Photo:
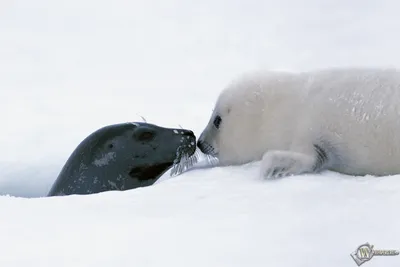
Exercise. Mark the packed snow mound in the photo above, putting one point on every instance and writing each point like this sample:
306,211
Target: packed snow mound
208,217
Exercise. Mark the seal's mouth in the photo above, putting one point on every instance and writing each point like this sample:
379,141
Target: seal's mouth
207,149
148,172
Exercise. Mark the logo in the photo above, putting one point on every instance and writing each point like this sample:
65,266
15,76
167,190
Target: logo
365,252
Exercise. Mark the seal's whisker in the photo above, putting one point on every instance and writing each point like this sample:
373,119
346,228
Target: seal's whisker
211,160
183,162
208,149
144,120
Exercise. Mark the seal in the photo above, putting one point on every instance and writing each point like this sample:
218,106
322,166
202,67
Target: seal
121,157
346,120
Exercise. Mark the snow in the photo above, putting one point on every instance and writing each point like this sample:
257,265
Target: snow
71,67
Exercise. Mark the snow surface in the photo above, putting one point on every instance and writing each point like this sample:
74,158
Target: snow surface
70,67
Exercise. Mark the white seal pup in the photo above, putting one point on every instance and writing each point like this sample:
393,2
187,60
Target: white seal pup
344,120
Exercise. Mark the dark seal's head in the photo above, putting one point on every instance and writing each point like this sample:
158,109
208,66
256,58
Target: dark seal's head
121,157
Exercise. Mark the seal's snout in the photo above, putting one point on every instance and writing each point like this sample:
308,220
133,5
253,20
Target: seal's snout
205,148
188,133
200,145
186,140
184,132
186,137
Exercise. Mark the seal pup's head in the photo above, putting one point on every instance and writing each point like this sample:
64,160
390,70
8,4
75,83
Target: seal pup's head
235,127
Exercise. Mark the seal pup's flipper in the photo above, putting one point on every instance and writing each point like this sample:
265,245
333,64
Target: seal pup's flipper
279,163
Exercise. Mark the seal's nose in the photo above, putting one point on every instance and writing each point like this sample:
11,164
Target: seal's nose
188,133
191,132
200,145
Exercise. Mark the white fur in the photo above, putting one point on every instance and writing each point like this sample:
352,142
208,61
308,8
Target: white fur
278,117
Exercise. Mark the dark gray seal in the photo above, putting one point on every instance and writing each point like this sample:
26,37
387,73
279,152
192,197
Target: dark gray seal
122,157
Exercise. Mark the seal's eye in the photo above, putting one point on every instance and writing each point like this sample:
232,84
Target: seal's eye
145,136
217,121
